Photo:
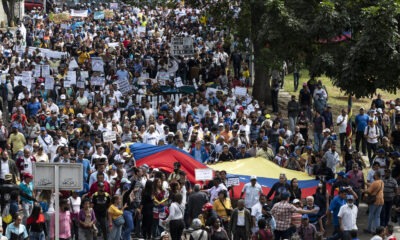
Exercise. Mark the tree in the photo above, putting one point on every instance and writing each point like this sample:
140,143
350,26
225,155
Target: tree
8,6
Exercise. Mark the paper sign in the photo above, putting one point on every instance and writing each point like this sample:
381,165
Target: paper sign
233,182
84,75
37,71
47,52
182,46
98,81
98,15
97,64
71,77
162,77
73,64
203,174
80,84
109,136
124,86
26,81
240,91
113,6
79,13
113,44
49,83
45,70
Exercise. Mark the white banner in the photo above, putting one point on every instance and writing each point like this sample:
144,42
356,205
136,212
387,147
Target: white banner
109,136
97,64
48,53
203,174
49,83
98,81
79,13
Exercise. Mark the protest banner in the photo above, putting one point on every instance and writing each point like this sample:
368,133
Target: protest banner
114,6
233,181
58,18
49,83
73,64
79,13
97,81
47,53
71,75
124,86
240,91
203,174
109,136
113,44
182,46
108,14
97,64
98,15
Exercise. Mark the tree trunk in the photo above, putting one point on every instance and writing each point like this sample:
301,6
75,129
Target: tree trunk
262,83
8,6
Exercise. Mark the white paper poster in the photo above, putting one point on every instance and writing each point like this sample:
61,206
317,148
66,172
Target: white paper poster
79,13
109,136
49,83
240,91
73,64
203,174
97,64
45,70
37,71
72,77
98,81
84,75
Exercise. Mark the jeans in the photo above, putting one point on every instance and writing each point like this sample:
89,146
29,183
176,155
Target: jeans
27,209
374,217
371,147
318,141
36,235
292,123
360,139
385,213
85,234
128,227
115,233
281,234
296,77
156,229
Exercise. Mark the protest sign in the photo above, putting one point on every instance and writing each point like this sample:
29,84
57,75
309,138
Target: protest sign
235,181
84,75
58,18
114,6
45,70
71,77
108,14
124,86
73,64
80,84
113,44
98,81
163,77
182,46
240,91
79,13
37,73
109,136
98,15
97,64
47,52
141,30
203,174
49,83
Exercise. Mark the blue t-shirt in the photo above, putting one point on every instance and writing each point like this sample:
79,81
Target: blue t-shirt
33,108
336,203
361,121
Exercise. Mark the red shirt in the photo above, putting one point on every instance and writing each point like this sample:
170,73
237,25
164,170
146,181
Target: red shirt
94,188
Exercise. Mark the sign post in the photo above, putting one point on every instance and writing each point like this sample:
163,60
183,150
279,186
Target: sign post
58,176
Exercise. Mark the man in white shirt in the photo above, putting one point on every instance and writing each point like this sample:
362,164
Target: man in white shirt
151,137
332,158
214,191
371,133
253,192
341,122
348,217
256,212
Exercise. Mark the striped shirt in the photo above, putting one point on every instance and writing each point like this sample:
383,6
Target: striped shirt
389,189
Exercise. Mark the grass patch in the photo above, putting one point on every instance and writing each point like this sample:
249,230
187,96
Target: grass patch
336,98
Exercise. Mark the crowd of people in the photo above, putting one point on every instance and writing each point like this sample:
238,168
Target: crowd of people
49,115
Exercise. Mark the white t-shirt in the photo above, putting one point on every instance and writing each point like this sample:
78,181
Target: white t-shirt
343,125
349,217
372,133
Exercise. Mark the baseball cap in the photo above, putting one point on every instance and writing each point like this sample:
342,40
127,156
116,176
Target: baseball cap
267,116
253,178
265,138
326,130
42,129
380,150
242,146
350,197
296,201
28,175
304,216
281,148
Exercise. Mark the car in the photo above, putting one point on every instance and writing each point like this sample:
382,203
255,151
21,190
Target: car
31,4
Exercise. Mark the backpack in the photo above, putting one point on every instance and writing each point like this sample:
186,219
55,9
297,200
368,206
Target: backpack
378,131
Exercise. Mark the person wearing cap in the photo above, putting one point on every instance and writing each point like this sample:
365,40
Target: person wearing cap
347,217
10,168
16,140
382,160
306,230
25,162
293,108
26,187
198,233
86,165
252,191
320,97
282,211
45,140
318,127
327,115
390,191
361,122
281,157
372,135
101,200
279,188
341,123
199,153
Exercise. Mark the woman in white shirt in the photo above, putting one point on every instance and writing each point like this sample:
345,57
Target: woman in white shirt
175,218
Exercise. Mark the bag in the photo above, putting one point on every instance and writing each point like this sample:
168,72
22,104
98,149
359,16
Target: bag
228,211
6,216
119,221
370,199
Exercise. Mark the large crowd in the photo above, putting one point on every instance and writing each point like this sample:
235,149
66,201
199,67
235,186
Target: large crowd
66,84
